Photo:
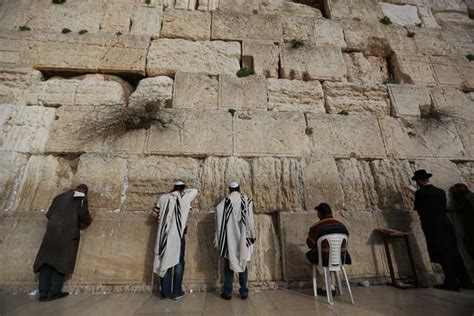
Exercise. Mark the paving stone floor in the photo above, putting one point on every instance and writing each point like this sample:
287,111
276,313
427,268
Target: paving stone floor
377,300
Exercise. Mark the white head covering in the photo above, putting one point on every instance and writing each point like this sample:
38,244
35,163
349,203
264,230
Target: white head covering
234,184
179,182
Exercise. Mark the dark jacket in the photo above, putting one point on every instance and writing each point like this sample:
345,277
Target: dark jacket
430,203
66,216
464,208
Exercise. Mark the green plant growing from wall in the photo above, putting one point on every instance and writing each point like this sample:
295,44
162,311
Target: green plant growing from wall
66,31
296,43
59,1
470,57
83,32
390,81
147,1
411,34
119,33
24,28
385,20
419,24
243,72
343,112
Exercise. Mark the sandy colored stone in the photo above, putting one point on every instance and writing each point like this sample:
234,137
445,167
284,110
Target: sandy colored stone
106,178
116,17
455,71
426,17
466,130
313,30
146,20
239,26
199,132
454,20
466,169
25,129
322,183
152,89
167,56
369,69
248,93
43,179
365,10
12,167
276,185
149,177
279,134
295,95
309,62
452,103
328,32
399,41
343,136
401,14
190,25
208,5
290,9
239,5
261,57
413,69
412,137
366,37
197,91
356,98
14,80
409,100
430,41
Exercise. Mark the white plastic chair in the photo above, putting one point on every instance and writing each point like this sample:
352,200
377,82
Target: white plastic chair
334,265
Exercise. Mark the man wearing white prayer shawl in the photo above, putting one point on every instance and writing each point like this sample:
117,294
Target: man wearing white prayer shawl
172,212
235,236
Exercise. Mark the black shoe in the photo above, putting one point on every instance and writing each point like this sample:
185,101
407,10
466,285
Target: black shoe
178,296
58,296
43,298
453,288
467,285
320,291
224,296
244,296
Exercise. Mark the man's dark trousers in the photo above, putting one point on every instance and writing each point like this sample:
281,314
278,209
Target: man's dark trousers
50,281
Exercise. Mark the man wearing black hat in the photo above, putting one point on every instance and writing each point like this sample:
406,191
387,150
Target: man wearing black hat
430,203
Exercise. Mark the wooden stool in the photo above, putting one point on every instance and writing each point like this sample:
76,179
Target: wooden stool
388,235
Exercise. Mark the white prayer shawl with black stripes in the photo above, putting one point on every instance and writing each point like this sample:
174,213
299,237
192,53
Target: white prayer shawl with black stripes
235,228
174,210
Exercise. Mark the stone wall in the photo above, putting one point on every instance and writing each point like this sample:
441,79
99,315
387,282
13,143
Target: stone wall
338,108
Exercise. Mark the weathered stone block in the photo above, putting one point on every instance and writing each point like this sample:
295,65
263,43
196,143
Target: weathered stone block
295,95
430,41
401,14
249,93
276,185
197,91
466,130
412,137
167,56
356,98
399,41
427,18
452,103
466,169
146,20
343,136
409,100
25,129
116,17
322,183
238,5
454,20
414,69
369,69
196,132
208,5
149,177
455,71
261,57
328,32
239,26
309,62
12,167
216,176
152,90
313,30
190,25
368,38
280,134
285,8
14,80
365,10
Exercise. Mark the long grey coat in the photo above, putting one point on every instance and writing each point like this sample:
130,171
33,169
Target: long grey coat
67,215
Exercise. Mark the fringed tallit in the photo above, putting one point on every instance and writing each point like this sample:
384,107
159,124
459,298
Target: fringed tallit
235,229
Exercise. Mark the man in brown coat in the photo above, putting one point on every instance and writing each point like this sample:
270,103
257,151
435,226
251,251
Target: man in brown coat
67,215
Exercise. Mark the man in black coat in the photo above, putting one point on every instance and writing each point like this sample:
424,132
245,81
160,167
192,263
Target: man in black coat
430,203
67,215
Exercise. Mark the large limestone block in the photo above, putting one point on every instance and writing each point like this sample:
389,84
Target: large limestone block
197,133
238,5
267,133
295,95
313,30
152,90
454,20
74,130
265,264
357,185
116,17
401,14
426,137
122,240
9,17
466,169
328,32
452,103
309,62
409,100
276,185
194,90
466,130
12,168
14,80
25,128
455,71
190,25
290,9
217,173
458,40
44,178
399,41
365,10
371,69
146,20
20,236
427,18
208,5
151,176
261,57
431,42
343,136
322,183
391,178
368,38
356,98
248,93
106,177
167,56
239,26
413,69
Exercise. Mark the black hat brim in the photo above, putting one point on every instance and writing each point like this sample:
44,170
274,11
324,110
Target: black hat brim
423,177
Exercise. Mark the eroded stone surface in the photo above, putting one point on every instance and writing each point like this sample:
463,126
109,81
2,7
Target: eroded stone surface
452,103
195,91
409,100
414,69
247,93
191,25
295,95
261,57
12,168
366,10
454,71
371,69
401,14
152,90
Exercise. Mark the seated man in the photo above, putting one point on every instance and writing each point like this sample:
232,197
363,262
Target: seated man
327,225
